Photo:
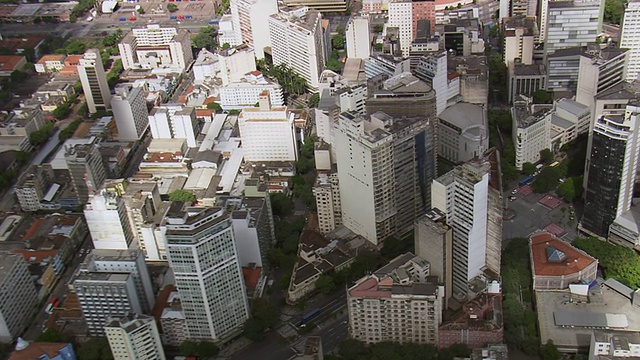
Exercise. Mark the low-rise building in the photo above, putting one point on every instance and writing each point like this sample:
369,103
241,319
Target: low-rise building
613,345
11,63
134,336
42,350
50,63
526,80
463,132
531,132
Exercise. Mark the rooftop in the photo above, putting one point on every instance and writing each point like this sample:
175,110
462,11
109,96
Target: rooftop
129,322
464,115
554,257
36,350
9,62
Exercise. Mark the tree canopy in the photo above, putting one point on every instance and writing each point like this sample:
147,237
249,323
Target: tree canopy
215,106
546,156
618,262
357,350
171,7
203,349
547,180
325,284
96,348
313,100
281,205
264,315
182,195
542,96
614,11
205,38
571,188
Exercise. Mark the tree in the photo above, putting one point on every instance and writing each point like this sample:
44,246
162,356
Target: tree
313,100
52,335
234,112
22,157
546,156
113,39
140,10
265,312
205,38
325,284
18,76
281,205
182,195
378,46
215,106
68,131
333,64
618,262
613,11
379,28
567,190
171,7
528,168
542,97
393,247
188,348
75,46
549,351
207,349
547,180
253,329
96,348
62,111
337,41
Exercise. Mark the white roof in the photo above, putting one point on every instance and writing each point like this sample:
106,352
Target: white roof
108,6
213,131
199,179
230,170
58,162
52,192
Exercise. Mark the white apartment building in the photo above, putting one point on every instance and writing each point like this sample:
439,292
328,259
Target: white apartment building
18,296
524,8
401,17
519,35
202,253
327,192
572,23
297,40
531,132
463,132
134,336
123,261
108,222
227,34
353,98
630,38
463,195
103,295
245,93
268,133
130,112
174,121
358,35
609,344
575,113
250,20
396,303
366,176
154,47
229,66
432,69
600,70
94,81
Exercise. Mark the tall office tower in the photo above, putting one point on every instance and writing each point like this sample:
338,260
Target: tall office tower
610,169
433,240
86,169
572,23
563,69
385,166
108,222
405,14
358,36
134,336
600,70
105,294
268,133
174,121
469,195
519,34
94,81
18,296
130,112
630,36
327,192
432,69
123,261
399,302
250,19
297,40
531,132
155,47
202,253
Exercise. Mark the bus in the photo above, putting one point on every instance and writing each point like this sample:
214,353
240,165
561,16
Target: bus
554,164
526,180
310,315
51,305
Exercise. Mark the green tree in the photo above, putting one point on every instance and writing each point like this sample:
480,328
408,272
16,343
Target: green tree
253,329
325,284
22,157
113,39
68,131
378,46
41,135
205,38
188,348
52,335
313,100
549,351
333,64
234,112
528,168
542,97
618,262
567,190
171,7
546,156
18,76
140,10
207,349
182,195
75,46
378,28
62,111
337,41
215,106
265,312
547,180
498,78
96,348
393,247
281,205
613,11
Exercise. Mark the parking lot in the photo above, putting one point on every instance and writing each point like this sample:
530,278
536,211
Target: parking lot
156,10
525,215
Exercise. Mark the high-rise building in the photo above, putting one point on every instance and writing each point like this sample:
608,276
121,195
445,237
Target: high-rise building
572,23
470,195
531,132
18,296
108,222
154,47
399,302
432,69
327,192
123,261
202,253
519,34
404,15
630,36
134,336
433,240
268,133
33,185
250,19
358,35
600,70
86,169
403,95
610,170
105,294
524,8
174,121
297,41
130,112
94,81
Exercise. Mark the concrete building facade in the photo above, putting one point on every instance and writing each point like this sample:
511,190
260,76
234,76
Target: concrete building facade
19,296
94,81
130,112
134,336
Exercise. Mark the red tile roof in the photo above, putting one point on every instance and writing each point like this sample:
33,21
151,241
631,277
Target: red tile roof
574,260
369,288
51,57
37,255
21,43
33,229
204,112
72,60
251,276
9,62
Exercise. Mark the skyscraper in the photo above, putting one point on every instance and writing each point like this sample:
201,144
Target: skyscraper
108,222
94,81
600,70
358,37
18,296
130,112
297,41
630,36
202,253
250,18
134,336
572,23
404,15
610,169
86,169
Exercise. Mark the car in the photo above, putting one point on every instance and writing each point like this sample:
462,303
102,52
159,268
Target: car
512,198
515,191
